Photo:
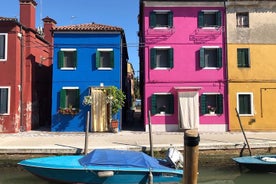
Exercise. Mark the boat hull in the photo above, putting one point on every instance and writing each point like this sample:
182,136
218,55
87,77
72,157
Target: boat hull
262,163
67,169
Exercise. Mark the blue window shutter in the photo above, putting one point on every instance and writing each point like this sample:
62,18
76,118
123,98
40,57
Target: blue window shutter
218,18
171,104
153,104
219,104
152,58
62,98
171,58
203,105
60,59
219,57
112,59
152,19
170,19
200,19
98,54
202,58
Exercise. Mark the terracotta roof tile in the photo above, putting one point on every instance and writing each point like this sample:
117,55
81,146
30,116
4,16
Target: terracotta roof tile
88,27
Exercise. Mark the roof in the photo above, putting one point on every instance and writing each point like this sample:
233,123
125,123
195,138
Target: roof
4,19
88,27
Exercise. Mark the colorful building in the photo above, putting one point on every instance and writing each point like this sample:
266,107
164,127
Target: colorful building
87,58
25,71
183,65
251,44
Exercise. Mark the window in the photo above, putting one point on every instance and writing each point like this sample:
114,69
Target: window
162,103
161,57
70,98
4,100
209,18
3,46
161,18
105,59
242,19
211,103
245,103
67,59
243,57
211,57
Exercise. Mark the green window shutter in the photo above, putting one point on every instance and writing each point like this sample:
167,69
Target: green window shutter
152,58
171,64
219,57
203,105
77,99
202,58
153,105
240,57
200,19
60,59
152,19
219,104
218,18
62,98
98,54
112,59
75,58
171,104
170,19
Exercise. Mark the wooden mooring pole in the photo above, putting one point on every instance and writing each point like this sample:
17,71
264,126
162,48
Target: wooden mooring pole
86,134
191,153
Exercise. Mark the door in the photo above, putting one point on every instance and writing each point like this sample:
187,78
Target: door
188,110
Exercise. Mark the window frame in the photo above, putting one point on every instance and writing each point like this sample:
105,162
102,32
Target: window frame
62,100
251,103
5,47
153,59
112,58
156,110
61,58
152,19
8,99
201,22
218,56
218,103
239,16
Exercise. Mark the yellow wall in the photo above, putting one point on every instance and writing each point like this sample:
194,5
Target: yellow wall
259,79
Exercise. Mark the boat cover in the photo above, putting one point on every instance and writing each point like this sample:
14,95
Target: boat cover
122,158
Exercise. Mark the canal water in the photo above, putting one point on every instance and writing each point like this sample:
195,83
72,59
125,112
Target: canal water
230,174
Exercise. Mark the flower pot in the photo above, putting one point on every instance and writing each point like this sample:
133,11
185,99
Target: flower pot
114,126
212,112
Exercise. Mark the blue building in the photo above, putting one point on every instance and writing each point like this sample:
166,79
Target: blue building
87,59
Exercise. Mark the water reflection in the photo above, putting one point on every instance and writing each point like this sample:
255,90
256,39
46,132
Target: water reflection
207,175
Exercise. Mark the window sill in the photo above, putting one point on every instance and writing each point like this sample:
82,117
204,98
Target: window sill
105,68
211,68
162,68
68,68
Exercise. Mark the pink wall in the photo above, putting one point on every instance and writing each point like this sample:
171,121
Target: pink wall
186,39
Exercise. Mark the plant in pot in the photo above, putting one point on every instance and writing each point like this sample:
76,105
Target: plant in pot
116,100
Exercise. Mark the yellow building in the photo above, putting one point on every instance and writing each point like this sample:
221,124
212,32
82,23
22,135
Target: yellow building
251,43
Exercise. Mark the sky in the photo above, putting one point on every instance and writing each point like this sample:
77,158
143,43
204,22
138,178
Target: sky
121,13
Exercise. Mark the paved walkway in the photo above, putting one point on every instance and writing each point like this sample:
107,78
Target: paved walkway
45,142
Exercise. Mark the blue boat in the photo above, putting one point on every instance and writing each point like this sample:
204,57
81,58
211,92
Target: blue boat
104,166
264,163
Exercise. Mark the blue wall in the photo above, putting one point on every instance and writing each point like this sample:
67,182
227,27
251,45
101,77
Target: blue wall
85,76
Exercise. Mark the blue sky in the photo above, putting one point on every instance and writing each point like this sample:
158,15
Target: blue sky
122,13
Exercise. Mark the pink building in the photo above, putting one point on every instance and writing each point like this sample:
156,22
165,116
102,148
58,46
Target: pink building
183,65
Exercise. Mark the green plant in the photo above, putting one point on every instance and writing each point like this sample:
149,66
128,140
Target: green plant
116,98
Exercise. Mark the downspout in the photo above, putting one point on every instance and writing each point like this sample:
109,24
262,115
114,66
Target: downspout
21,80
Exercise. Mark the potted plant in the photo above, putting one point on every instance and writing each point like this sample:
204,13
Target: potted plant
68,111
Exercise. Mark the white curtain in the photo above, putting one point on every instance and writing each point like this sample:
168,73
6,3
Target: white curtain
188,114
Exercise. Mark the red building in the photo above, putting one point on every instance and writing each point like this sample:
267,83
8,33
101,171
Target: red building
25,71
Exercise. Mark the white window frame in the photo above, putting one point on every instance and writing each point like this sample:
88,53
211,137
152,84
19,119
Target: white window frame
6,47
105,50
211,47
9,95
164,48
210,12
251,105
68,50
162,12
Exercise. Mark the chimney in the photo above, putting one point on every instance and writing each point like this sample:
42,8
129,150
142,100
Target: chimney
49,25
28,13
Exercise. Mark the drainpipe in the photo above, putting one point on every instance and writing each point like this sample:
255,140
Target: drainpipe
21,80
